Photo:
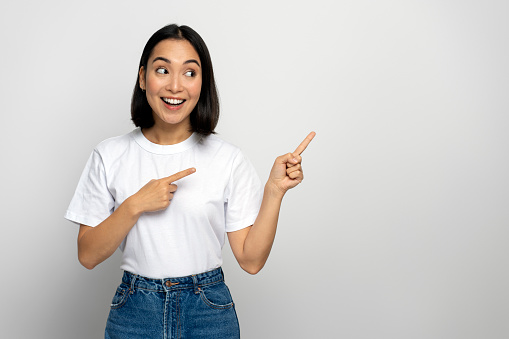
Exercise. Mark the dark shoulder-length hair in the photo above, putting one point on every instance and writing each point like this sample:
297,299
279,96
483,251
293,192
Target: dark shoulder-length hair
205,115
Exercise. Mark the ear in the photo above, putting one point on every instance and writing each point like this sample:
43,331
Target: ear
141,75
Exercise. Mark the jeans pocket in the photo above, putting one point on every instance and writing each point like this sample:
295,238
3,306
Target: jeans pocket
216,296
120,297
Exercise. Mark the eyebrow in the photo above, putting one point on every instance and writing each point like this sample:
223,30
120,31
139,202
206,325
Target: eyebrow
169,62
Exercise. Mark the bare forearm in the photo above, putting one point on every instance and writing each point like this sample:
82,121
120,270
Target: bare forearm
253,249
99,243
261,236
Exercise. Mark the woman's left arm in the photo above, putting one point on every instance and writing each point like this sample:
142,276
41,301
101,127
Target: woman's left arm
251,245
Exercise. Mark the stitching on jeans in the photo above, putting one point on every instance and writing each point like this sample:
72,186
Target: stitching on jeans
123,300
212,305
148,289
177,288
210,283
165,321
178,315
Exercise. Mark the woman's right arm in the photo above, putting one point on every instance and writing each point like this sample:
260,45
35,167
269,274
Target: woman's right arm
96,244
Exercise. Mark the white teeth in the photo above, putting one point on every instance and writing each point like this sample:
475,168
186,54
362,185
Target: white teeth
173,101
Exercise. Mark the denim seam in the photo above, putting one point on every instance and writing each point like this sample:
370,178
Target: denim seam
165,319
215,306
176,288
150,290
178,315
211,283
122,301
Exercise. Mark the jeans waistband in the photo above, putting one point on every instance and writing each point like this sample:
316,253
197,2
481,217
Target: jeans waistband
135,281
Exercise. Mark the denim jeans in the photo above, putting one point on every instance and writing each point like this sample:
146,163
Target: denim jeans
196,306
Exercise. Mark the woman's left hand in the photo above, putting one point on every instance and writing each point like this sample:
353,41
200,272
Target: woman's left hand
287,172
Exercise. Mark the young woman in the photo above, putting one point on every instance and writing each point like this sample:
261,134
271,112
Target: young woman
168,192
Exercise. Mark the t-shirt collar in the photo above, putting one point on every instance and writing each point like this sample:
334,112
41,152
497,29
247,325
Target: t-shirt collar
164,149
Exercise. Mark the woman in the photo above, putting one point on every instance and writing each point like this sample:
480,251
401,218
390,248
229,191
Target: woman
171,238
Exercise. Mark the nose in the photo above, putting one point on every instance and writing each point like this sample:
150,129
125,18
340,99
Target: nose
174,84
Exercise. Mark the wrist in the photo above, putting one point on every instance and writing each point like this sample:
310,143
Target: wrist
274,191
132,208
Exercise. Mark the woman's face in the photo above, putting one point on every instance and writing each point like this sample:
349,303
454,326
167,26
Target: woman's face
172,82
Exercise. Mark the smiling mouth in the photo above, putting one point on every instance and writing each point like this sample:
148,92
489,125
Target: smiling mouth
173,102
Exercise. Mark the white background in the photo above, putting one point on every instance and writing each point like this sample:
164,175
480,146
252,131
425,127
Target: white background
400,228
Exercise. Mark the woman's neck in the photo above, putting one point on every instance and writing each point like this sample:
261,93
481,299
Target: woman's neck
167,134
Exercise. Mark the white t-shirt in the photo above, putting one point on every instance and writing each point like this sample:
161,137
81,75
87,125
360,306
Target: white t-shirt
223,195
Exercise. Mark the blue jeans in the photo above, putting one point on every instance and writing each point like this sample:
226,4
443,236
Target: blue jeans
196,306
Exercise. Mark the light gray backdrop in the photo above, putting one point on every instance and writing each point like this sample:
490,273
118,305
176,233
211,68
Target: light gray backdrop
400,228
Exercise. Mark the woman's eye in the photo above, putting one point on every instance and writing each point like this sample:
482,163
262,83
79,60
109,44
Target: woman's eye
161,71
189,73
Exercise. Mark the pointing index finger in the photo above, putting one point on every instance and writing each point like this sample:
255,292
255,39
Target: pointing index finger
180,175
305,143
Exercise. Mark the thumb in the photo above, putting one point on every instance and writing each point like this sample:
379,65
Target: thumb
288,158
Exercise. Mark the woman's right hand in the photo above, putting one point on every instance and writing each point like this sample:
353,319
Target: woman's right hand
157,193
96,244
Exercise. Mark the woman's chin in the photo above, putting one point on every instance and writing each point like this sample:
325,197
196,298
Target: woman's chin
173,120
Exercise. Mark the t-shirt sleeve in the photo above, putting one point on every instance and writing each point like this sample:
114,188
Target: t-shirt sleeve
92,202
243,195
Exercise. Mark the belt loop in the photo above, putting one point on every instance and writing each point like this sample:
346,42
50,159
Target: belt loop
195,283
133,280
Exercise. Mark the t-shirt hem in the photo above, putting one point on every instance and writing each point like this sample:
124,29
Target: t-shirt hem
80,219
241,224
